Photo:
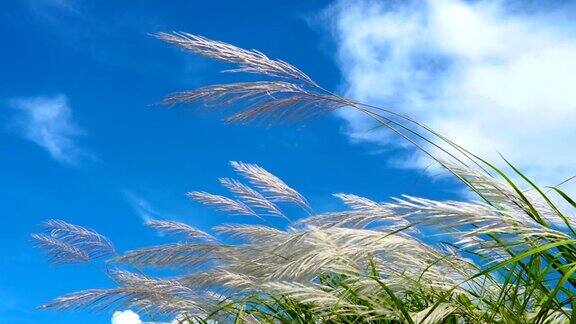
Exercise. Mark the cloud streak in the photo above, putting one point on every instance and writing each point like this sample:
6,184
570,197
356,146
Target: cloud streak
492,78
47,122
141,206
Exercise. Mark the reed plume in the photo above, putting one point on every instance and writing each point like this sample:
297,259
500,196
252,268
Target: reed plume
507,257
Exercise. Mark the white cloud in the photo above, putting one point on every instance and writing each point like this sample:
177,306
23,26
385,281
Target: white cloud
125,317
494,78
48,122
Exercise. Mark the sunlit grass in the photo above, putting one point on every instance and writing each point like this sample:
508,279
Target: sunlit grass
507,257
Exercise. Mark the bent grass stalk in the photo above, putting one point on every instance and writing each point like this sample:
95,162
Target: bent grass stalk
509,258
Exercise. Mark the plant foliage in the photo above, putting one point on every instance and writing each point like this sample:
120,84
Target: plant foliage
507,257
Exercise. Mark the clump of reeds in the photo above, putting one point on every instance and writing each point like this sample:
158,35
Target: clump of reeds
508,257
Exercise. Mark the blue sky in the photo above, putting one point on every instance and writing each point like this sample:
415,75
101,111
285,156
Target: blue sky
82,142
116,156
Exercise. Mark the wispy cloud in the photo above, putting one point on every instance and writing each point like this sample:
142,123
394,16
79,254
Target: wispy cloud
64,4
13,309
141,206
125,317
495,78
40,6
48,122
